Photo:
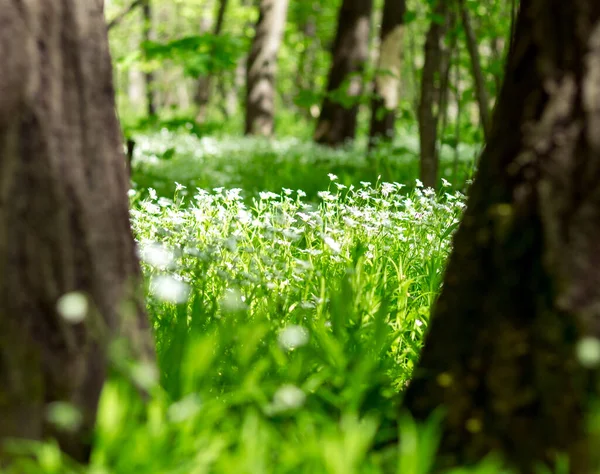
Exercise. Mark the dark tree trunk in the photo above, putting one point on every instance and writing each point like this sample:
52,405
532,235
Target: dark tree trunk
522,286
387,81
337,122
481,93
149,76
430,94
204,83
262,67
64,221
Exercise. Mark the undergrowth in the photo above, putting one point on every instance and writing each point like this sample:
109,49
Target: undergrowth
286,330
256,165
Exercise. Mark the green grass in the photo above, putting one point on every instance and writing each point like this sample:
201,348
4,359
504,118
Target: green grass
287,322
285,331
255,165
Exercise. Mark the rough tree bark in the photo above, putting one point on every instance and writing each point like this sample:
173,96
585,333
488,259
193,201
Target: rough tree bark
522,286
262,67
387,80
64,222
337,122
428,110
483,100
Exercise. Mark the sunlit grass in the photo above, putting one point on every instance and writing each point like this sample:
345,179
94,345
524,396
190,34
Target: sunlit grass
256,165
285,330
284,258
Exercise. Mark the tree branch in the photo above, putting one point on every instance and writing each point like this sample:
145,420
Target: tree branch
116,20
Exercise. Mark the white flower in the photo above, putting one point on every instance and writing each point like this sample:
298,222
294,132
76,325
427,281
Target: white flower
332,177
289,397
292,337
588,352
326,196
267,195
233,301
332,244
156,255
387,189
349,222
419,183
168,289
73,307
152,193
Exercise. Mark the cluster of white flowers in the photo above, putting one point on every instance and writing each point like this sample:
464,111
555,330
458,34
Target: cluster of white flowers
281,248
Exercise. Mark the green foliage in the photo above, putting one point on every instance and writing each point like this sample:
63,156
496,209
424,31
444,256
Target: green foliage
197,55
289,306
256,165
284,331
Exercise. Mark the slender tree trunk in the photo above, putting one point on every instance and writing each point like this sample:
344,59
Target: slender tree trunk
64,221
504,353
447,52
305,74
149,76
483,100
386,87
430,94
457,125
204,83
497,48
231,96
414,79
262,67
337,122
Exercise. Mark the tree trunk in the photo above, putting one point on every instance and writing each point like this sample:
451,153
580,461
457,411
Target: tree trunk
497,56
521,289
305,74
430,93
149,76
64,221
204,83
483,100
386,87
447,53
337,121
262,67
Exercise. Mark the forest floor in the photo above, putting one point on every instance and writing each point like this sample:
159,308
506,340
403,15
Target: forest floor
289,295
